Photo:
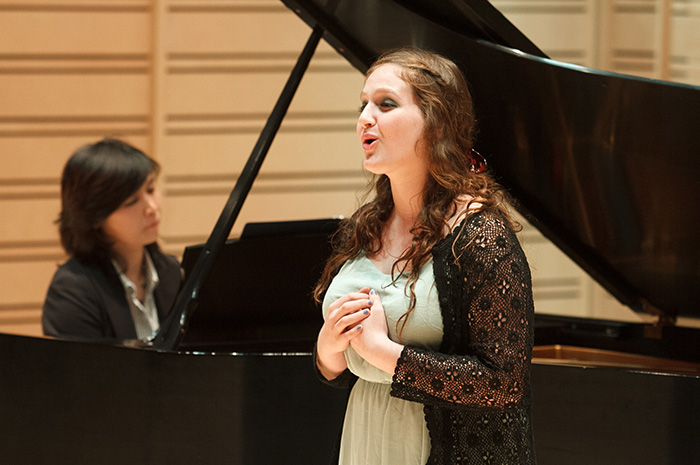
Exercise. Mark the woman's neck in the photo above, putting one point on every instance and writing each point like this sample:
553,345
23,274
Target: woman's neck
131,261
408,199
397,230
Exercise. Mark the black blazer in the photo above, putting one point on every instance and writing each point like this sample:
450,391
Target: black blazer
86,301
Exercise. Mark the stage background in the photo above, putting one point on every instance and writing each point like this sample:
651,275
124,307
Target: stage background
192,82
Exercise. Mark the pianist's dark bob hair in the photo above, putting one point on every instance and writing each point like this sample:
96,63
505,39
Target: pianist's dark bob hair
442,94
96,180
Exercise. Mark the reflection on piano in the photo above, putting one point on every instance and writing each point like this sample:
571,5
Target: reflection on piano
580,151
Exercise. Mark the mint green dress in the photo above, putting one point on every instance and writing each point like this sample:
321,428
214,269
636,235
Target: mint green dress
379,429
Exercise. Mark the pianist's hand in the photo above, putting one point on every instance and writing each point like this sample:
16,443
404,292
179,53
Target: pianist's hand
341,326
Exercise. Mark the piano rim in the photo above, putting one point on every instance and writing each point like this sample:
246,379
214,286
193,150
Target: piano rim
584,357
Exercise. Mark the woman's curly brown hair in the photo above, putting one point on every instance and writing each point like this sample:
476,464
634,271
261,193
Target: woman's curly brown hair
443,96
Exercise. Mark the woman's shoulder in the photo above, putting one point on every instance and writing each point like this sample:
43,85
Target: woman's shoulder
78,267
480,229
475,212
483,222
464,207
75,271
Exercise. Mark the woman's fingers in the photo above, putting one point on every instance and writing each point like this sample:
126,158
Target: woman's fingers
349,303
376,300
352,321
343,321
375,327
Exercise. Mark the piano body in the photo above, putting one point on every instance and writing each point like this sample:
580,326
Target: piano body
603,164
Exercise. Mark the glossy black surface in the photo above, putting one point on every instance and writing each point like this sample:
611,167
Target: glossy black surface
612,416
604,165
67,403
259,294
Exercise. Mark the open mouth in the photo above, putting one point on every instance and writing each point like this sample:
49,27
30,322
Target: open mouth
367,141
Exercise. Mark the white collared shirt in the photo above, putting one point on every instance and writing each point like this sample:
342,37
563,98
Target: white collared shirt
144,314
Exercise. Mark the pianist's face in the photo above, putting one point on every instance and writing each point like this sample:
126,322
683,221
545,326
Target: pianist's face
135,223
390,126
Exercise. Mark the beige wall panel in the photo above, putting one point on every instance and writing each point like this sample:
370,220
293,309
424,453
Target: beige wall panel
27,323
17,191
193,209
330,151
250,31
77,95
226,154
555,32
27,219
223,93
293,163
254,94
25,283
52,31
685,48
687,75
558,283
564,30
191,216
141,142
632,30
686,36
603,305
296,206
324,90
553,300
200,154
43,158
290,201
35,157
196,216
547,261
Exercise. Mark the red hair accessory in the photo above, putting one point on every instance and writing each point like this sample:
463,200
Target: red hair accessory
477,163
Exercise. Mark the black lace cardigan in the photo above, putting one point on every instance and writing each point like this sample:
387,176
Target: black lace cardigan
476,388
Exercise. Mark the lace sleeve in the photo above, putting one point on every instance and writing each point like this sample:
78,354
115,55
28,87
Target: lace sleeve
486,300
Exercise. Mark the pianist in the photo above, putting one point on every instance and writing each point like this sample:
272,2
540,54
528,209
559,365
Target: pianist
427,297
117,285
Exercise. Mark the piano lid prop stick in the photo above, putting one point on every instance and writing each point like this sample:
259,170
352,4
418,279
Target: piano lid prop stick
187,300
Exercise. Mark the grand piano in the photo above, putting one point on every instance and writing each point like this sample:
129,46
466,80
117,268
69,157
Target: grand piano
603,164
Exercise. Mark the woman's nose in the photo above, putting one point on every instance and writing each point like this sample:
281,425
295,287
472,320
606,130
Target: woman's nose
152,204
366,119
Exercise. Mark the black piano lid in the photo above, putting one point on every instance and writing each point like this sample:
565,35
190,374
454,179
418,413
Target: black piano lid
605,165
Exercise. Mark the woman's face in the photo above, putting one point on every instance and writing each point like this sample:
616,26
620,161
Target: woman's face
391,124
135,223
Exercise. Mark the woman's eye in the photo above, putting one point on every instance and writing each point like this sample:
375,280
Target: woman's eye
130,202
388,103
385,104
